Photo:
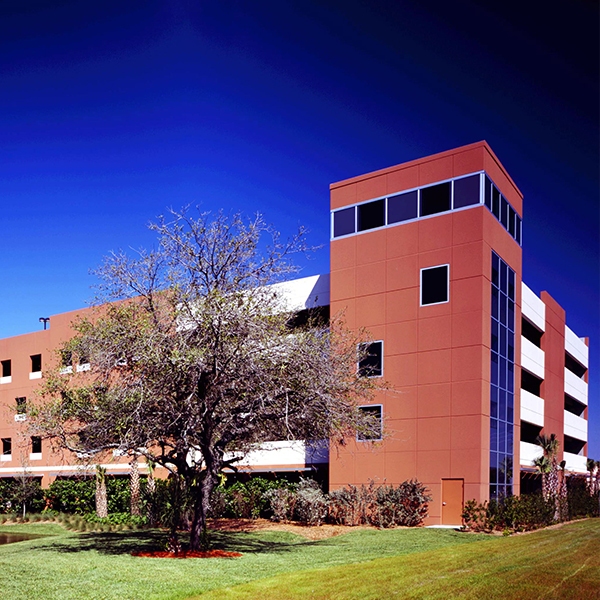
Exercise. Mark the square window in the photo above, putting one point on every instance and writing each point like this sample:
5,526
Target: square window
21,405
435,199
6,446
402,207
343,222
434,285
36,363
466,191
370,360
36,444
374,427
371,215
6,368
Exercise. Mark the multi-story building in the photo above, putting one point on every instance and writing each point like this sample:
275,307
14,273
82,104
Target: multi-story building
426,260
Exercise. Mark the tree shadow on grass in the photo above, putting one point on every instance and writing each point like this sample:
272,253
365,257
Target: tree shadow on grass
149,540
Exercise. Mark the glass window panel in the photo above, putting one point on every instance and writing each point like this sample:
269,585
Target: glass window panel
495,301
495,269
434,285
494,369
493,475
502,405
496,202
493,434
503,341
502,371
495,336
510,354
511,284
375,429
503,277
493,492
518,225
510,379
435,199
510,318
371,215
466,191
402,207
500,480
494,402
504,212
502,301
371,361
487,192
511,220
343,222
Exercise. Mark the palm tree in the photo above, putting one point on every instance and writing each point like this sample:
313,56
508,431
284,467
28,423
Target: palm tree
134,486
549,445
101,498
591,467
563,496
542,464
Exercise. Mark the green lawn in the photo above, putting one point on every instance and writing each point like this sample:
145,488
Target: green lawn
415,563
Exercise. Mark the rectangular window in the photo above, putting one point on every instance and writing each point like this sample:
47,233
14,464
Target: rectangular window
402,207
344,222
487,192
504,212
374,427
66,358
6,446
36,444
36,363
21,405
371,215
435,199
466,191
6,368
495,202
435,285
370,359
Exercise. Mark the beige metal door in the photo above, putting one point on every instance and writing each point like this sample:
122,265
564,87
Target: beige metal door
452,501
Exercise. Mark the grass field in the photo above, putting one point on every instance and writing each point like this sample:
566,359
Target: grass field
405,563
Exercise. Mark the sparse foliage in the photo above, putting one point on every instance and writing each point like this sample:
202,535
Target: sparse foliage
193,361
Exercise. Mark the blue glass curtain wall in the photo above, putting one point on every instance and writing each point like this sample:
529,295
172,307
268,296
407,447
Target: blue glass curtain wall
502,377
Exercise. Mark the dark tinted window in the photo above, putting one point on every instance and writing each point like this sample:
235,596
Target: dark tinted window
6,446
434,285
36,444
36,363
518,225
21,405
435,199
6,368
487,192
343,222
504,212
495,202
466,191
511,220
402,207
371,215
373,429
370,363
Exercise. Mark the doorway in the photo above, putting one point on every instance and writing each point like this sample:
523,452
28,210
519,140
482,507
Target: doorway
452,501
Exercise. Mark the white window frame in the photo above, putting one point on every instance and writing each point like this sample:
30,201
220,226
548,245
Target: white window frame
447,284
358,362
380,438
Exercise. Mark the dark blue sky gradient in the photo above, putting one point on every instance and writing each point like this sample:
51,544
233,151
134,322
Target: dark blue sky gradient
111,112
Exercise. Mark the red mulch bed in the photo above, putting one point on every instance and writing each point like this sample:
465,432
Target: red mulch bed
188,554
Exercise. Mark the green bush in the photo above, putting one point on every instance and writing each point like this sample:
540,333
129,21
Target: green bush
514,513
381,506
580,502
311,503
16,491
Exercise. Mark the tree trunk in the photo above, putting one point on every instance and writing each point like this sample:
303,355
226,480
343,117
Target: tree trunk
134,484
101,499
199,535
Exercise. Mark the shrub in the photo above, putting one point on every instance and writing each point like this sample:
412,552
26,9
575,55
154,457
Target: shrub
382,506
282,502
514,513
311,503
580,502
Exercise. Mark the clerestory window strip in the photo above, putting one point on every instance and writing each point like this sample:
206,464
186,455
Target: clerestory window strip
451,195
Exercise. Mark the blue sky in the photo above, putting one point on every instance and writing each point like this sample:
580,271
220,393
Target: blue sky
111,112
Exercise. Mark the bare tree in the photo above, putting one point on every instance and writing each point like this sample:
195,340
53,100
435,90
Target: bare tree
193,358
